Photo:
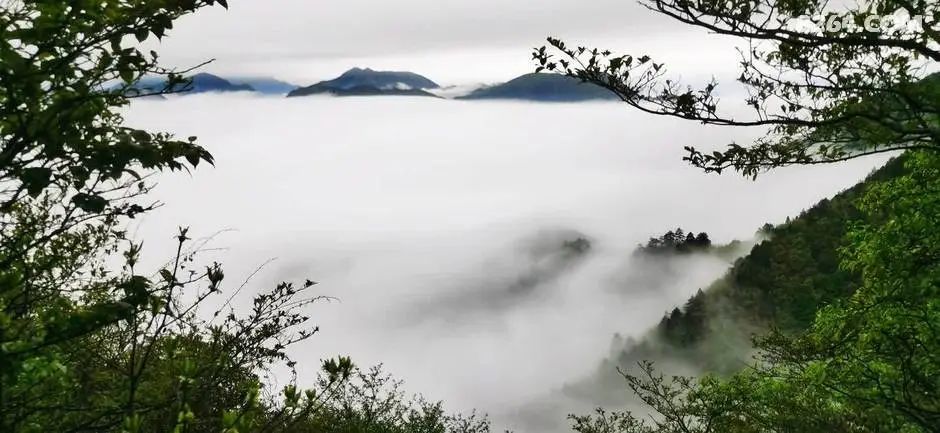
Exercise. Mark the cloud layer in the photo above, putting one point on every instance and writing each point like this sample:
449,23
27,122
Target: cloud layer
437,223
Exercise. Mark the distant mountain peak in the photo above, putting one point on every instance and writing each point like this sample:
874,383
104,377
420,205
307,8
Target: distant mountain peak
543,87
265,85
206,82
199,83
366,81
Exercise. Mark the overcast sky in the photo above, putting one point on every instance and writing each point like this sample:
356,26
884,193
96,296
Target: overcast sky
450,41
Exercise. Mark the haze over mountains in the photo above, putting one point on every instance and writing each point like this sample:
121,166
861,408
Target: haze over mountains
446,239
536,87
543,87
265,85
200,83
364,82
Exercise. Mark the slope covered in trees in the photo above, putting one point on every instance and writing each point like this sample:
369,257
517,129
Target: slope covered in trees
866,361
781,283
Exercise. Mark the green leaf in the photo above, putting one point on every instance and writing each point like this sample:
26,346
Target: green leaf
141,34
36,179
127,75
136,290
90,202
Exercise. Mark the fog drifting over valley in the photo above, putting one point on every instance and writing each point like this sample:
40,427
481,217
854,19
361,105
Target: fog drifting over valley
438,225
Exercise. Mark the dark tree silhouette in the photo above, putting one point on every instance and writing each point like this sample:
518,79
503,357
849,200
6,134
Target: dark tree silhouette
826,93
677,241
702,240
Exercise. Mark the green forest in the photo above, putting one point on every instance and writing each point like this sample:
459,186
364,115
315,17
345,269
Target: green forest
803,301
780,284
831,323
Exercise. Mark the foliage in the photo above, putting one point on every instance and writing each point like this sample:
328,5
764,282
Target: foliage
371,401
677,241
70,173
825,93
88,341
849,285
782,283
868,363
687,326
60,127
125,352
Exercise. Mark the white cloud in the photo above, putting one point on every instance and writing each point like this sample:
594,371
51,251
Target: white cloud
454,42
400,205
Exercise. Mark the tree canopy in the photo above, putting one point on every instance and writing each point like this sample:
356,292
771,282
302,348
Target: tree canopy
866,361
825,93
90,341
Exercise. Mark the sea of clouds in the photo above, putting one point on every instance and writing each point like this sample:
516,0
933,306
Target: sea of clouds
437,224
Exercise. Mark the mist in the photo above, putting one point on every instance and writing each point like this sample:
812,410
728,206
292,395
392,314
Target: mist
440,226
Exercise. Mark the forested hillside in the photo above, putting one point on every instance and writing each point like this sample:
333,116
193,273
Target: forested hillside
781,284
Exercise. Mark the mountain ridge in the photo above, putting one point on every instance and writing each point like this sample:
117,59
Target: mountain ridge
369,82
542,87
202,82
265,85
